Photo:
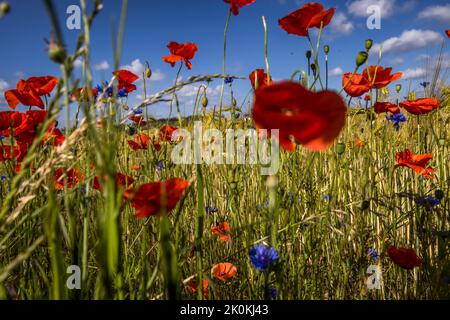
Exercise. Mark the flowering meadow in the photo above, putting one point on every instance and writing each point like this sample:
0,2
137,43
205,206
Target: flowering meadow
358,207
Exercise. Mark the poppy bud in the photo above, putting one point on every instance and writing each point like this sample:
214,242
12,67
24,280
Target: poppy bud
439,194
361,58
365,205
340,149
5,7
56,52
205,101
308,54
148,72
234,102
398,88
326,49
412,95
369,44
313,68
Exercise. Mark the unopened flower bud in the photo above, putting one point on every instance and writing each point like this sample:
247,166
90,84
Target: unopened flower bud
326,49
205,101
369,44
398,88
5,7
56,52
340,149
361,58
308,54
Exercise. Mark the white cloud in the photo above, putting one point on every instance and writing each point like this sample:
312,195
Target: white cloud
409,74
157,75
359,7
397,61
336,72
341,25
102,66
409,40
78,63
440,13
3,85
136,67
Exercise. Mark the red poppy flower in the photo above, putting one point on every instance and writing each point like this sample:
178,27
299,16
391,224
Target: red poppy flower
6,153
235,5
312,119
8,120
224,271
83,94
122,181
380,77
420,106
311,15
54,136
359,143
382,107
141,142
139,121
223,230
181,52
259,79
126,79
355,86
29,92
447,32
416,162
405,258
73,176
28,128
155,198
166,133
193,287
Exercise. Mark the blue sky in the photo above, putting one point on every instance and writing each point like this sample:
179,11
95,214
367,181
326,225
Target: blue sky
411,29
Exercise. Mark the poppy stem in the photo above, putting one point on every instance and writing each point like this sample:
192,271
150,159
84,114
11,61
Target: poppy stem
225,33
199,228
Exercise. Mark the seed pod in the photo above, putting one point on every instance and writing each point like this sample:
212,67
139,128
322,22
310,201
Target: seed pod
340,149
57,53
5,7
398,88
369,44
361,58
326,49
205,101
234,102
308,54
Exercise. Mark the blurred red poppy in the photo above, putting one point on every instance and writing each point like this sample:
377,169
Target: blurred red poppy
382,107
405,258
126,79
29,92
235,5
359,143
141,142
312,119
380,77
83,94
259,79
155,198
6,153
224,271
8,120
311,15
181,52
416,162
447,32
139,121
73,176
193,287
420,106
122,181
54,136
166,133
27,129
223,230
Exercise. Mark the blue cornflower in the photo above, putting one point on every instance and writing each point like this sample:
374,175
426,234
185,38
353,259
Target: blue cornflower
211,210
263,257
160,166
2,137
3,178
427,201
229,80
396,119
139,111
122,93
273,293
373,253
328,197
